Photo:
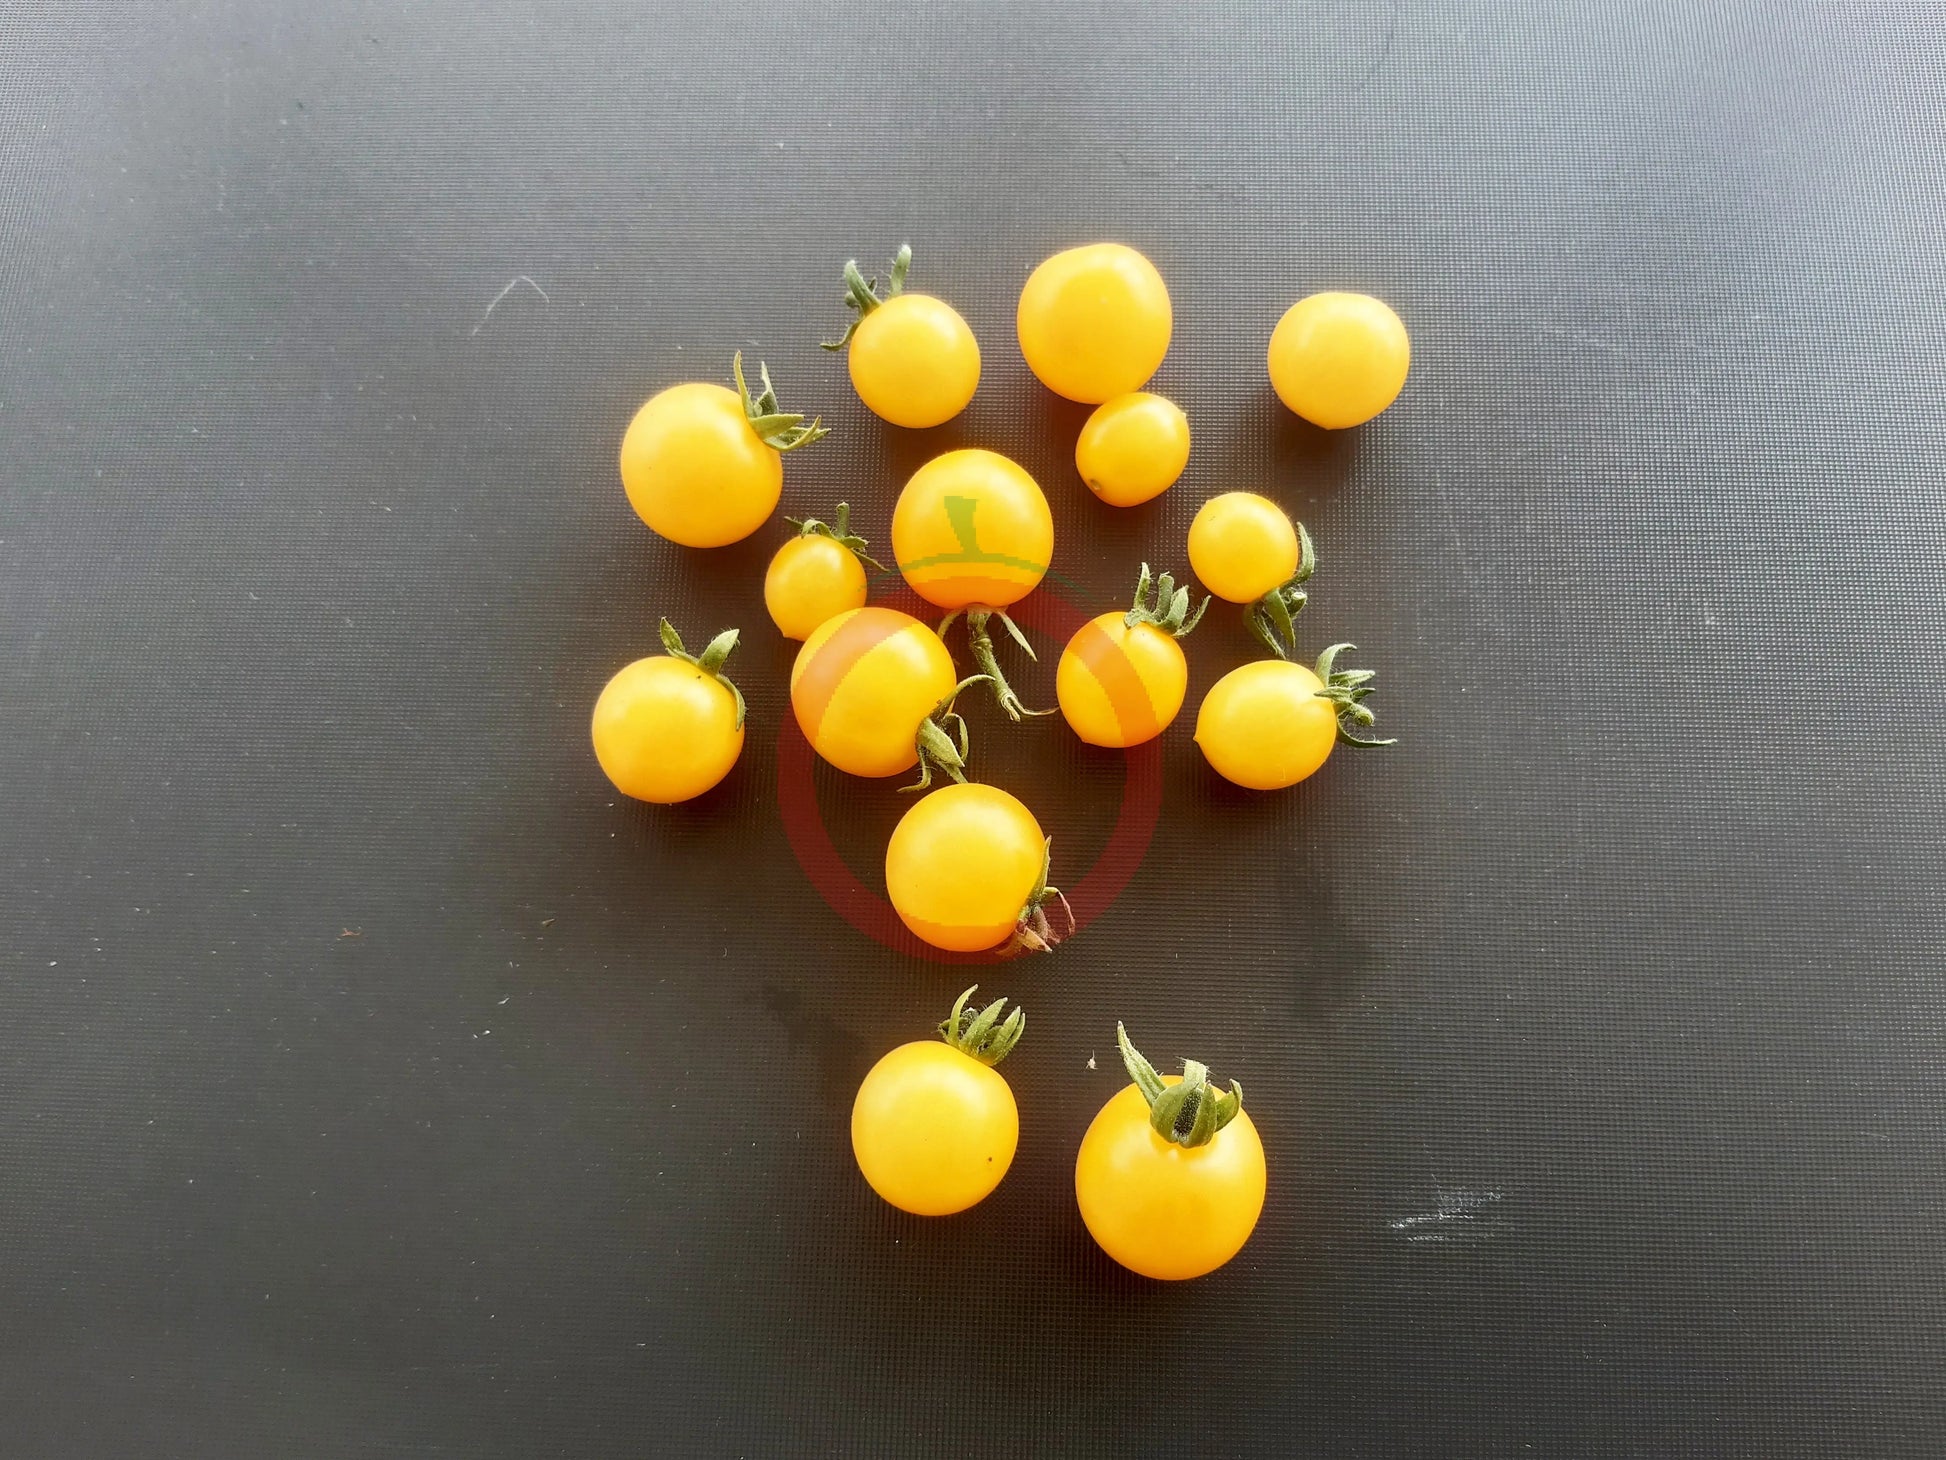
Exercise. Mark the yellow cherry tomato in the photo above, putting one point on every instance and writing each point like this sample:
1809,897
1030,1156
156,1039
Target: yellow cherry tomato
1271,723
670,727
1241,546
1158,1209
862,685
695,468
966,867
913,360
971,527
1133,448
1119,683
935,1126
1339,359
818,573
1094,322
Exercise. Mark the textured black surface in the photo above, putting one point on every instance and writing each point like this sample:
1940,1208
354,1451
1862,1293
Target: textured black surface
371,1083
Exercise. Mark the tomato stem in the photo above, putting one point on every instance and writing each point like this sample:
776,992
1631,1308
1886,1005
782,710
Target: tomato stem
979,640
1271,616
942,741
861,294
1188,1113
1167,609
710,661
1346,690
1034,933
778,429
983,1035
839,531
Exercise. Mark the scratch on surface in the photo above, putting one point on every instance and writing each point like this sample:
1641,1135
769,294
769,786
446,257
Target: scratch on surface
1459,1215
515,282
1385,47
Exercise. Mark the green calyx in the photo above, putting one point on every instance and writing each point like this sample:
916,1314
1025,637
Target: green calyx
983,1035
980,641
941,740
1189,1112
710,661
778,429
1035,933
1346,689
1166,609
1271,616
861,294
839,531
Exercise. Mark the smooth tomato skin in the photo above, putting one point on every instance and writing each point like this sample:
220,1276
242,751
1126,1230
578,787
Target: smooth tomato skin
861,684
810,579
1133,448
1094,322
914,361
1119,686
961,865
694,470
1241,546
972,527
933,1129
1339,359
1161,1210
664,731
1263,726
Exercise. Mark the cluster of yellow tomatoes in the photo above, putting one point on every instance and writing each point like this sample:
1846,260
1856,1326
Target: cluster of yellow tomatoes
1170,1176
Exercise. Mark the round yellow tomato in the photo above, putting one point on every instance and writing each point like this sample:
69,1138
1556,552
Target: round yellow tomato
695,466
862,685
1122,676
1162,1209
1133,448
670,727
818,573
1094,322
935,1126
1339,359
1267,724
965,867
913,360
1241,546
971,527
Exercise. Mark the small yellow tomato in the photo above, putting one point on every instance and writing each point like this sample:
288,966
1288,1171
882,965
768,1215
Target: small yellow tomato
913,360
670,727
1094,322
1241,546
817,574
1339,359
1122,677
1158,1206
966,867
864,683
1265,725
1133,448
695,468
971,527
935,1126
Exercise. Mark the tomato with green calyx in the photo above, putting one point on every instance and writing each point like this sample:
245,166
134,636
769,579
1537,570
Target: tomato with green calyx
873,691
1271,723
703,466
669,727
1133,448
1244,549
966,870
1094,322
913,360
1122,677
1170,1179
817,574
1339,359
971,532
935,1126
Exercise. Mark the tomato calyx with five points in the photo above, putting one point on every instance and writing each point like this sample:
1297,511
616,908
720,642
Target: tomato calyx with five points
1271,617
779,429
710,661
1188,1113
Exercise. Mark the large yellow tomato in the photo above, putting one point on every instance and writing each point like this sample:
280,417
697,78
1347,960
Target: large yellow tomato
670,727
1269,724
1094,322
1242,546
864,683
1339,359
966,867
971,527
1122,676
1156,1205
935,1126
1132,448
703,466
913,360
817,574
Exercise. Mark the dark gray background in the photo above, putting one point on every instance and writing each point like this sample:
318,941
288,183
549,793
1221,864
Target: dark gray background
312,560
